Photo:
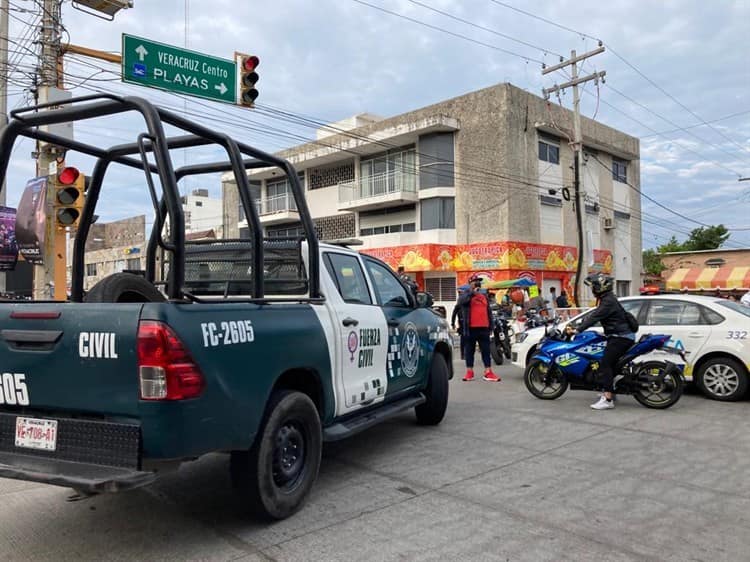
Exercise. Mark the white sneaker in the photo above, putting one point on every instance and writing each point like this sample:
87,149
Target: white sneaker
603,404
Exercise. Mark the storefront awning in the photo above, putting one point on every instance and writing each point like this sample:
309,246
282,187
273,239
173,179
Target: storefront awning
709,278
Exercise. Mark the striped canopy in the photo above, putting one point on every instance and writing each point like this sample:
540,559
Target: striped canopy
709,278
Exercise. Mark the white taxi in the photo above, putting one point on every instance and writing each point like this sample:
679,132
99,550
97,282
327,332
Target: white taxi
714,332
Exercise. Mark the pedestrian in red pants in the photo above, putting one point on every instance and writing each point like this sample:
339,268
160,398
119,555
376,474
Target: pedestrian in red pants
476,314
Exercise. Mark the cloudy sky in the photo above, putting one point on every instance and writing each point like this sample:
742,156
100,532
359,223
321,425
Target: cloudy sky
678,77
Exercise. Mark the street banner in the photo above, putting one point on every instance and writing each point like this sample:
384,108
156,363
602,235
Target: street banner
31,221
8,245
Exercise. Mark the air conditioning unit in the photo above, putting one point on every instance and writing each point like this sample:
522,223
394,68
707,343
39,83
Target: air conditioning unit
608,223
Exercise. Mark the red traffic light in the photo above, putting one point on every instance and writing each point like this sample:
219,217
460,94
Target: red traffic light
250,63
68,176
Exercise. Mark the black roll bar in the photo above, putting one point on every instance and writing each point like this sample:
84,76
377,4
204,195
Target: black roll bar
25,122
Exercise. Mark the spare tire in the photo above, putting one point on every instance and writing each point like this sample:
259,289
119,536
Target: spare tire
124,287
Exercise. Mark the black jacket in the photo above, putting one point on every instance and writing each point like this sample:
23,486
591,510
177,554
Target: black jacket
464,301
610,315
457,315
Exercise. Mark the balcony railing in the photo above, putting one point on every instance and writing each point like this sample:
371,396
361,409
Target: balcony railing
389,183
277,204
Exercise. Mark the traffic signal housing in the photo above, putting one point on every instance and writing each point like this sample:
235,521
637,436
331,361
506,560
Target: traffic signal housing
248,77
70,186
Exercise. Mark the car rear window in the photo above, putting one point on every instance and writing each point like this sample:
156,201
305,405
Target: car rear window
737,307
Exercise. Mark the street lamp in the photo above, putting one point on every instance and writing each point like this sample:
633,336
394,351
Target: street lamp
106,7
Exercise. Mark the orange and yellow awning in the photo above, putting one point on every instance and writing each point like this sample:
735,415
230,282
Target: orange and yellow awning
709,278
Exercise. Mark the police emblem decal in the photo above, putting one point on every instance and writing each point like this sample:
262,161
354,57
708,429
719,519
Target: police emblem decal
352,344
410,350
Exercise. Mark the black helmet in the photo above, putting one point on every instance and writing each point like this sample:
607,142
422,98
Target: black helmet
599,283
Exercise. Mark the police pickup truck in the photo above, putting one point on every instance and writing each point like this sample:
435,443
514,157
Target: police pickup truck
260,348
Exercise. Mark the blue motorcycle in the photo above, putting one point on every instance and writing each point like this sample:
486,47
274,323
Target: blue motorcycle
562,362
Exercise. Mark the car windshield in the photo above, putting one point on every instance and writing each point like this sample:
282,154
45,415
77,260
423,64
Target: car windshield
737,307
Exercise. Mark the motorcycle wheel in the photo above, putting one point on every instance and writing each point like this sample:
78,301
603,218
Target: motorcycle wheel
506,349
653,393
544,383
496,352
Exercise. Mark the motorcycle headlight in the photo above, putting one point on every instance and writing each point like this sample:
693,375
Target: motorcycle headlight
520,338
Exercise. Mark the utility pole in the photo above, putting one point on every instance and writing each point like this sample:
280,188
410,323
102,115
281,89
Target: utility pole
53,271
577,144
3,94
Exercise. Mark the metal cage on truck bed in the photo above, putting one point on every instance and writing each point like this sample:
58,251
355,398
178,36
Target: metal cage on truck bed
248,267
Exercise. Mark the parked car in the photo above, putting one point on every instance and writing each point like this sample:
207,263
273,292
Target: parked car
714,332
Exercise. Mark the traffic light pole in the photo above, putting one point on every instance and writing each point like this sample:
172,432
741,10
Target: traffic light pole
577,147
3,92
50,278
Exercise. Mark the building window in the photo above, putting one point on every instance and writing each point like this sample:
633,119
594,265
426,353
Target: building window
389,229
549,152
199,203
90,269
439,212
436,156
619,170
245,233
441,288
134,263
623,288
285,232
388,173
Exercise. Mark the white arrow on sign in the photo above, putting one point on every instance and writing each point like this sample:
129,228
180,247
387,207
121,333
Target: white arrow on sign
141,52
222,88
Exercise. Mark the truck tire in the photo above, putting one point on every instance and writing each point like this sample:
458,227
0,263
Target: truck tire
432,411
124,287
275,476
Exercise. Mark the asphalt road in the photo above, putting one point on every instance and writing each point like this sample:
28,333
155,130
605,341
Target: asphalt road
505,477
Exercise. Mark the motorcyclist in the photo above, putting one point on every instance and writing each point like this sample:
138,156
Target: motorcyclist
620,337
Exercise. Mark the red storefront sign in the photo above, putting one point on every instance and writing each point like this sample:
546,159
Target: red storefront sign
495,257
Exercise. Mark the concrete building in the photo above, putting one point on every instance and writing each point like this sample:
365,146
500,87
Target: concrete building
113,247
201,211
707,269
479,183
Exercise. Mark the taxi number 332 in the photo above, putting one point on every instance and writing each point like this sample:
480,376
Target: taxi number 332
13,389
227,333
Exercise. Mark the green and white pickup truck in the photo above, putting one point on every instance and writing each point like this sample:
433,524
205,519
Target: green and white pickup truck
260,348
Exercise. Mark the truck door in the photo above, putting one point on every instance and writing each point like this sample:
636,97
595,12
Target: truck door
407,360
362,335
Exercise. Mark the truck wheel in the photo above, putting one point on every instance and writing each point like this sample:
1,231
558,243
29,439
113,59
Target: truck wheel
432,411
124,287
279,470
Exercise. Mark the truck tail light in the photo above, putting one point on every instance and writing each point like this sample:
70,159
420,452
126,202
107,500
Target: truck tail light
166,371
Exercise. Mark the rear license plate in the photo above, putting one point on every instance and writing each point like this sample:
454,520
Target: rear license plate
33,433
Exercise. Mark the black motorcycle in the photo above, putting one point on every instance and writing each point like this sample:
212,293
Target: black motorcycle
502,332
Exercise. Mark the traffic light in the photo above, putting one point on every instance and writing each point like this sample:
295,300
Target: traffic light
70,187
248,78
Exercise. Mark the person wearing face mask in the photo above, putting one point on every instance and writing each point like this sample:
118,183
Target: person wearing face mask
477,318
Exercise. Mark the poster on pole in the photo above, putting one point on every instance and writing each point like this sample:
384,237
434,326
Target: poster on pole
8,245
31,221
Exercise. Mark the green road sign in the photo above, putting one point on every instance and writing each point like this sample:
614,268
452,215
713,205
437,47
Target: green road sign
156,65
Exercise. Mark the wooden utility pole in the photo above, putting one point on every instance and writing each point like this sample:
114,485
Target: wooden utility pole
577,144
3,93
53,271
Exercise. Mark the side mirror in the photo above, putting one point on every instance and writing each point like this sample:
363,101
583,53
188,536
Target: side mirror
424,300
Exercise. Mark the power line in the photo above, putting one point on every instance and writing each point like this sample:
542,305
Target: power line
454,34
483,28
662,206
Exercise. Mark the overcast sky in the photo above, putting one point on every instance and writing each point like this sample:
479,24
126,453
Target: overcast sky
330,59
